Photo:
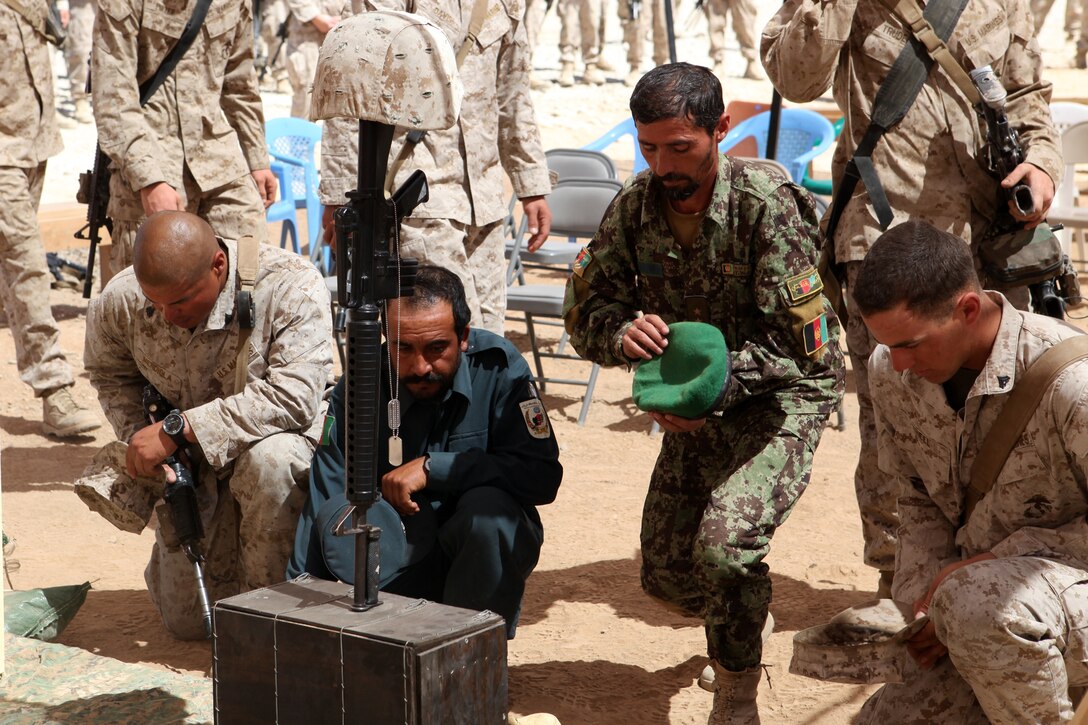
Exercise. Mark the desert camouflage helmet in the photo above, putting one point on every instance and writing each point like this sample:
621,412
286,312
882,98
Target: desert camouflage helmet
865,644
391,67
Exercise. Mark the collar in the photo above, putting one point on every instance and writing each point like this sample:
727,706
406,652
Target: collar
223,310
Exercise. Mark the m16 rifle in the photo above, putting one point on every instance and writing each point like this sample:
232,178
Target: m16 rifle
270,61
369,272
1050,276
180,498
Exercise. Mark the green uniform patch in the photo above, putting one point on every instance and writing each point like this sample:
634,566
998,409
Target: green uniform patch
816,334
804,285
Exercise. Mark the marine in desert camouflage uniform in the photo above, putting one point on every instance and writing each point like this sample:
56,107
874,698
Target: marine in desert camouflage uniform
1006,589
461,227
307,26
743,15
738,253
928,163
198,145
154,324
77,55
29,136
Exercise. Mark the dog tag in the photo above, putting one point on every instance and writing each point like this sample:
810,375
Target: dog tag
396,451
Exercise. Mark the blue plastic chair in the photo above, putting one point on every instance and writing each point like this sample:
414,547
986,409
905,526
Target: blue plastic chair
294,142
823,187
621,129
283,210
802,136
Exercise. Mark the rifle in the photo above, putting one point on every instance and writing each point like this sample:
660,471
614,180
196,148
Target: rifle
281,33
1001,155
368,272
57,264
180,498
634,7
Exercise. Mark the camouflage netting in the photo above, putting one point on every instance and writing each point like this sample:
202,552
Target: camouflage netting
46,684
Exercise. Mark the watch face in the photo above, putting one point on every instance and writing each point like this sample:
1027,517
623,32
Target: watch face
173,424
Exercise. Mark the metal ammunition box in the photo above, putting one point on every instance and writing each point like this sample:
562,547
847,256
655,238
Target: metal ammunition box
296,653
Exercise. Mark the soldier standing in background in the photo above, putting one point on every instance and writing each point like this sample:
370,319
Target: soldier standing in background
77,55
309,22
461,227
198,145
703,237
636,16
743,13
580,23
273,15
28,137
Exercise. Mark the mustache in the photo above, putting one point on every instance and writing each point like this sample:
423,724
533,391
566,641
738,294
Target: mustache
673,176
428,378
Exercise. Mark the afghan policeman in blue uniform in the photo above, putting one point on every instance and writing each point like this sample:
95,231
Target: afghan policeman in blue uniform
458,516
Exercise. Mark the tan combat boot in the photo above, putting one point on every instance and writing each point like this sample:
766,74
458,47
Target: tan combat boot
593,76
83,111
566,74
735,696
604,65
633,76
754,71
706,677
62,416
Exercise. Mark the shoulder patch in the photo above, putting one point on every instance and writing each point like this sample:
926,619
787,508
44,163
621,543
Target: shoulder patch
815,333
583,260
536,420
801,286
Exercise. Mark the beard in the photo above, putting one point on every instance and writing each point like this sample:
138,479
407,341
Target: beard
442,382
676,193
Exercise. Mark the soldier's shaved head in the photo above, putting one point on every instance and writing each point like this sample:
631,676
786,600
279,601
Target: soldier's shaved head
173,247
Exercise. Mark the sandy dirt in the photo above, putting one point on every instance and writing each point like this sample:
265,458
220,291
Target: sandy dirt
591,648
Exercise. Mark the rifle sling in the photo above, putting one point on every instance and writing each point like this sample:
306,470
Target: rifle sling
188,35
475,25
1013,418
893,100
248,267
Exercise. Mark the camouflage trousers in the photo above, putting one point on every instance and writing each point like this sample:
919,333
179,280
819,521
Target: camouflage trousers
743,13
716,497
651,14
233,210
301,67
25,282
1016,639
476,254
77,46
249,514
580,26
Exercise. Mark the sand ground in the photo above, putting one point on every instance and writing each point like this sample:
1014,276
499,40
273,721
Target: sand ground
591,648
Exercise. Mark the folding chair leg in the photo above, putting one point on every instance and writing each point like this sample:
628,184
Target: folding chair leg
589,393
536,352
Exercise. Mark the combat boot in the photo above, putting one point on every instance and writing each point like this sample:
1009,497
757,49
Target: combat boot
706,677
62,416
538,84
566,74
1080,59
633,76
604,65
735,696
83,111
538,718
593,76
754,71
66,122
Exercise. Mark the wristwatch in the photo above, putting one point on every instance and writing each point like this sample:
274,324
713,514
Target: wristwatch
173,425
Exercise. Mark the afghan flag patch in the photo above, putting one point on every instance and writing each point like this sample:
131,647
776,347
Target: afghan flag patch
803,285
815,333
582,261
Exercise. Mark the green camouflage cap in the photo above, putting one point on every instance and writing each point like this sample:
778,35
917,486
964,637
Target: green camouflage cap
688,379
863,645
391,67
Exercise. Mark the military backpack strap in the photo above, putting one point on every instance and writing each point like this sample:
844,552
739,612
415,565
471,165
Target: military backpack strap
248,266
1013,418
893,100
475,25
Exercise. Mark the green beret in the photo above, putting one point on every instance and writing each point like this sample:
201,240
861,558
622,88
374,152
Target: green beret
688,379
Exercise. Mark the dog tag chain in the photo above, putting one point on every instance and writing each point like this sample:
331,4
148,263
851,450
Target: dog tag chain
396,446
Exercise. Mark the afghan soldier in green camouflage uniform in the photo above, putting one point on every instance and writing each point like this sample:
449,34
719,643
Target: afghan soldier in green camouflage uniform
701,236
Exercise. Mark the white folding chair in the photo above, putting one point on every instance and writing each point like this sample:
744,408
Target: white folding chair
1065,210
